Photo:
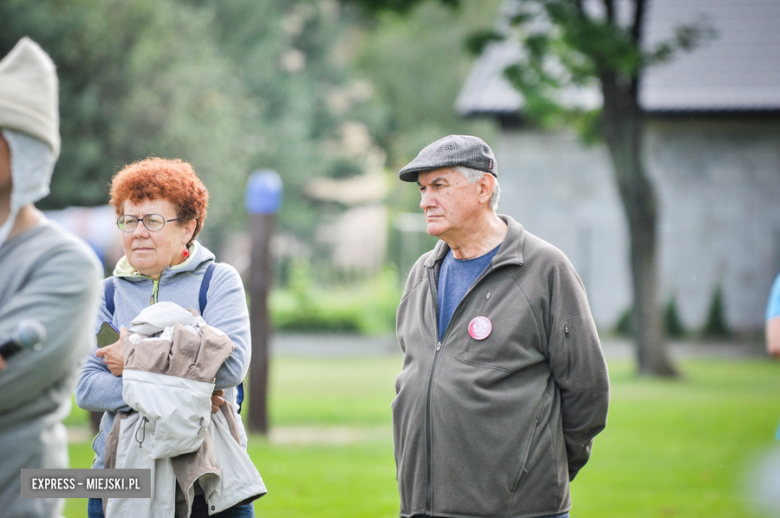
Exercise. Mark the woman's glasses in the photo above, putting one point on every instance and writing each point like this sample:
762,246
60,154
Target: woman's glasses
152,222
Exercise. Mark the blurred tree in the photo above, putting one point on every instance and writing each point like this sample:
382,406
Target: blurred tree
416,64
137,79
230,86
400,6
568,46
293,60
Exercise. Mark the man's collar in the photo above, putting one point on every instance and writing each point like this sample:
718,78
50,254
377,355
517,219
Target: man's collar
511,251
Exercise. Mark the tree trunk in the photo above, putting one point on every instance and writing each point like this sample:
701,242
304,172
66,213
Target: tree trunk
623,129
262,228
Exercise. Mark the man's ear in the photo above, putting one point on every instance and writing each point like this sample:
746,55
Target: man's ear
486,185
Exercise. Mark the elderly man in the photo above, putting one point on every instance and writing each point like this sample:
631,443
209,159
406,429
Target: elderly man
504,384
45,276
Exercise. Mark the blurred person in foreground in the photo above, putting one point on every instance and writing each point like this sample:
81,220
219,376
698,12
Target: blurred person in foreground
504,384
773,321
161,206
46,275
773,326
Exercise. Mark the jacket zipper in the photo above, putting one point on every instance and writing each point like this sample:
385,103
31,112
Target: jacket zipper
428,412
155,290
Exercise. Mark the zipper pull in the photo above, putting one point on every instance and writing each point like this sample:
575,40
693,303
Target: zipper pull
438,347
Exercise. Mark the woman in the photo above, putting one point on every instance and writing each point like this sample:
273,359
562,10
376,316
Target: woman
161,206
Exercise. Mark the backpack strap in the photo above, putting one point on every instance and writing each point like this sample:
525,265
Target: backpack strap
108,287
204,287
203,300
240,395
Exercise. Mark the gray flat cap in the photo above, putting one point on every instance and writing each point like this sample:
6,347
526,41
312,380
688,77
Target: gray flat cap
451,151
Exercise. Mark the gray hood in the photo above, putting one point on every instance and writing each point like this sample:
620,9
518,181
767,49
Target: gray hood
29,120
32,163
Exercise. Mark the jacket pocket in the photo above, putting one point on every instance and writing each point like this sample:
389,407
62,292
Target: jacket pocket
513,341
526,454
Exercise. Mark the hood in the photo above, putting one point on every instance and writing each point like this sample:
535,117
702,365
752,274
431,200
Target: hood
32,163
29,120
28,94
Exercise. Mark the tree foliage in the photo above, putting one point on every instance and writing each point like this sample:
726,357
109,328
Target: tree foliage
374,7
285,54
136,79
568,46
416,62
230,86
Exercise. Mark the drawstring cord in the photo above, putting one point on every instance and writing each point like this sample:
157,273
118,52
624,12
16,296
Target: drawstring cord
143,429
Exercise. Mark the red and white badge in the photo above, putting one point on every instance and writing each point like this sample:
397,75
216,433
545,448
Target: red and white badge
480,328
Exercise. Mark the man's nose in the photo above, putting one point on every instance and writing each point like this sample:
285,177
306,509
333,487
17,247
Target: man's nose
428,200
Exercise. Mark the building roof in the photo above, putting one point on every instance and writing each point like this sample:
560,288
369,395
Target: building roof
737,71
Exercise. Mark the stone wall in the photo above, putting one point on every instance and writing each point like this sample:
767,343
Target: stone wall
719,188
718,185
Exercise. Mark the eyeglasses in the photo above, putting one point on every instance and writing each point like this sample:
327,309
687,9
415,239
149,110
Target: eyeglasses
152,222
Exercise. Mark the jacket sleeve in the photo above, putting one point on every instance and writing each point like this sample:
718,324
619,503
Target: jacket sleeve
227,311
97,389
577,364
61,293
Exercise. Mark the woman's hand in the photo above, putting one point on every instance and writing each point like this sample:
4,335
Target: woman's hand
113,355
217,400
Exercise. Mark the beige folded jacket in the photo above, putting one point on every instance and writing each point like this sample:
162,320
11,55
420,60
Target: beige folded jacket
190,356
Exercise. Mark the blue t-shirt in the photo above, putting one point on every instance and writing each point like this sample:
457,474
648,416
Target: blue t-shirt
455,278
773,306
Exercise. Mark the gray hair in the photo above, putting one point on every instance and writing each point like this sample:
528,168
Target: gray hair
474,175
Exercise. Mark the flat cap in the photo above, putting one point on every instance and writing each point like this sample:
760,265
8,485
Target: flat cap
451,151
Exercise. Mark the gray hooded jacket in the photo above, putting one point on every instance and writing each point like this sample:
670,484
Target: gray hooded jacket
99,390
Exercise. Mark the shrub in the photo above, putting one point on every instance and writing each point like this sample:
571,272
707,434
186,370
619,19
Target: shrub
367,307
716,326
625,323
672,323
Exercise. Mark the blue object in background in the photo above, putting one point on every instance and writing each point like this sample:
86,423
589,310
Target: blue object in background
264,192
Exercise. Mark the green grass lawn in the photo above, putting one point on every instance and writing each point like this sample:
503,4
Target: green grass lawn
671,448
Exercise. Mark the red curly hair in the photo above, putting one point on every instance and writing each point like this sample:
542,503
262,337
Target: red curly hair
160,178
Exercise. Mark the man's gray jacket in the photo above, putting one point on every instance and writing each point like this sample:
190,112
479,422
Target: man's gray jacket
498,427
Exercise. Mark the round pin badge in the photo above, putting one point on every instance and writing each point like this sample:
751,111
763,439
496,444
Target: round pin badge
480,328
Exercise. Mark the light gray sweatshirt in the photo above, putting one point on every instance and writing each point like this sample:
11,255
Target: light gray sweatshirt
52,277
99,390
